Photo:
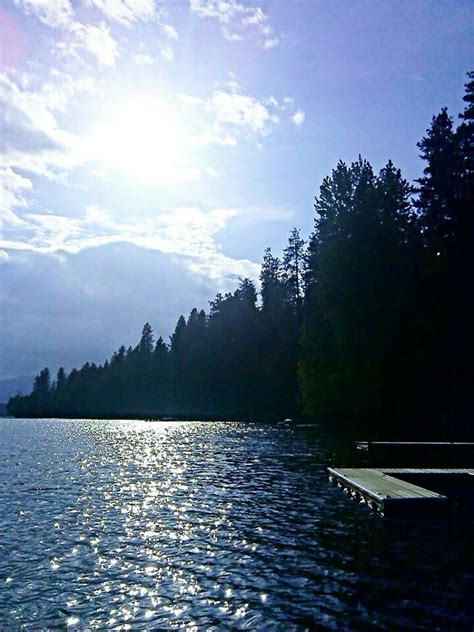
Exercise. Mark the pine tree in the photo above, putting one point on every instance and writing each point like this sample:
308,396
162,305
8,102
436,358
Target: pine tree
278,332
464,225
146,344
466,131
438,189
357,303
161,348
118,356
178,336
42,382
294,268
273,289
40,398
60,379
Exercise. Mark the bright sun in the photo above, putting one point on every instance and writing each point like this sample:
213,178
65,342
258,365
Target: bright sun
143,139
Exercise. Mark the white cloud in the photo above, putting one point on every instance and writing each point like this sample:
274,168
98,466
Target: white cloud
53,13
94,39
188,232
143,60
126,11
298,118
96,215
232,37
216,136
270,43
32,139
38,104
3,255
230,115
170,31
97,41
191,101
237,19
13,188
219,267
227,10
255,16
167,53
272,101
240,110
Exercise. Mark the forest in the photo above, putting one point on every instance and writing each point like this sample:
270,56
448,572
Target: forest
366,327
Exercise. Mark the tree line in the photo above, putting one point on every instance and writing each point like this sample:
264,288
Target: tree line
366,327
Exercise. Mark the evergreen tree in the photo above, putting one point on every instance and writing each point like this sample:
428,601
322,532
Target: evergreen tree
357,298
466,134
161,349
160,395
177,352
42,382
294,268
233,374
273,289
439,187
146,344
60,379
40,399
177,339
118,356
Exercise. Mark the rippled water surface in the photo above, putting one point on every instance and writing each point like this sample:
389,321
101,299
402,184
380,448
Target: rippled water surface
136,525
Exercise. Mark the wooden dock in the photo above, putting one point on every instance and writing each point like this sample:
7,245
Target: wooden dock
382,490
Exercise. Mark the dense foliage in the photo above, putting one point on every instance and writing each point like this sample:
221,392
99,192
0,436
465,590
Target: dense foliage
372,318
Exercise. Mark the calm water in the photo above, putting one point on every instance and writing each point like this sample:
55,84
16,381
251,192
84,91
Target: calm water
135,525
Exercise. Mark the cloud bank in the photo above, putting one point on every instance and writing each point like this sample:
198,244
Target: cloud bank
238,21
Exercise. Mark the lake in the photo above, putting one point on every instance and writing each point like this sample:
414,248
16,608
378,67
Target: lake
209,526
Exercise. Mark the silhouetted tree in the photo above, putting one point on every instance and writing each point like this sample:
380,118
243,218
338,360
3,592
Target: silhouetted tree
294,268
359,296
146,344
439,187
61,379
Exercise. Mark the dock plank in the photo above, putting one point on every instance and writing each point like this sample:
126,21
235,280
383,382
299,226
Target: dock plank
376,481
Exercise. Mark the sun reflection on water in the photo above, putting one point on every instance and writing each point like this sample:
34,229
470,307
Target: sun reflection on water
142,525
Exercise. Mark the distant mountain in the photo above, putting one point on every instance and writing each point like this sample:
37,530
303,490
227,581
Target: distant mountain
13,385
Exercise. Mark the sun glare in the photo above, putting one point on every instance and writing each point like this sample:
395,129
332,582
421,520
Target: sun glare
143,139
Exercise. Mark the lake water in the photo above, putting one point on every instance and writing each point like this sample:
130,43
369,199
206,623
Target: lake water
136,525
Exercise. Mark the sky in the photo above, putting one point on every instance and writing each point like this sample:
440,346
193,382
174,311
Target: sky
151,149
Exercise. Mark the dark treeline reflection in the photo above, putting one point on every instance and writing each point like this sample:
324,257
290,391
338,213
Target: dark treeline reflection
367,327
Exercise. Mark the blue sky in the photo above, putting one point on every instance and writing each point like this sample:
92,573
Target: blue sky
150,150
